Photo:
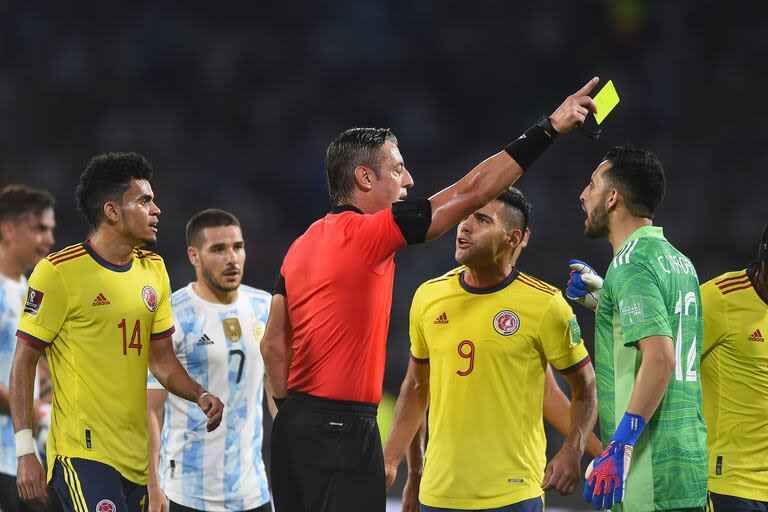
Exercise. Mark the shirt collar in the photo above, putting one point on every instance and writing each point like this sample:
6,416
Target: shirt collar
643,232
346,208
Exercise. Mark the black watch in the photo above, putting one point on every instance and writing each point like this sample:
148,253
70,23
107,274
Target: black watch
546,123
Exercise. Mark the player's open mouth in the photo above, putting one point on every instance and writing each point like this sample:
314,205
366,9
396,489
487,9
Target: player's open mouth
462,243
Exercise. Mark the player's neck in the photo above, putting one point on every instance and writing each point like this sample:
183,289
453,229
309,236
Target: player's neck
10,266
210,294
112,246
622,228
487,276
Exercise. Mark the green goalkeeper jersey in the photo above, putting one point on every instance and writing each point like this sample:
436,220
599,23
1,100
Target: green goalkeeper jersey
651,289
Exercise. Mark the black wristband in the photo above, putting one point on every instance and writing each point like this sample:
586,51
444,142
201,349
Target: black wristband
532,144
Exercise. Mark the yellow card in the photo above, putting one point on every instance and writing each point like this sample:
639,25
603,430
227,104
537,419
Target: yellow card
606,100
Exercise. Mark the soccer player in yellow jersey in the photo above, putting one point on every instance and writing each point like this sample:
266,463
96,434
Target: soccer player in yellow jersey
481,337
101,311
734,378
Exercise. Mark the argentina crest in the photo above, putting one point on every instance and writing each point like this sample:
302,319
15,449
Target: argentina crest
232,329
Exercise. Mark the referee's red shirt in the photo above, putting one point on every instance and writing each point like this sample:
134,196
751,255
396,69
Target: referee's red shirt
338,282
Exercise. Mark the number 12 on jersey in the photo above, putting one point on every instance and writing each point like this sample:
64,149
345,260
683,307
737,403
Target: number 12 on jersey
682,308
135,337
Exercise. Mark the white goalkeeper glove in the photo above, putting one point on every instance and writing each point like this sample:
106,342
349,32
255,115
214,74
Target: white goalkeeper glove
584,285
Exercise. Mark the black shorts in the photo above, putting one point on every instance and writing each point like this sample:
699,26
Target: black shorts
84,485
326,456
726,503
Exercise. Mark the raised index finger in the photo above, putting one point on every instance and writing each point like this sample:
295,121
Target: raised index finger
587,87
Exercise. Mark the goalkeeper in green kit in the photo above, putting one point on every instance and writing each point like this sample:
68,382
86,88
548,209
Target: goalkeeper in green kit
648,331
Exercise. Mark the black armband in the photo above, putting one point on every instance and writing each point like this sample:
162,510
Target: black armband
413,217
278,401
279,288
530,146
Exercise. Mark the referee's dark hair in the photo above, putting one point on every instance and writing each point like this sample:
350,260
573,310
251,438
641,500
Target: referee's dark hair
107,178
210,218
639,176
17,201
518,208
354,147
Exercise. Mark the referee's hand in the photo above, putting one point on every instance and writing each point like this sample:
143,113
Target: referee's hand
30,479
213,408
574,109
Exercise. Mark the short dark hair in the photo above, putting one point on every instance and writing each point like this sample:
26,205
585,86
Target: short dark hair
210,218
354,147
518,207
107,178
639,175
16,201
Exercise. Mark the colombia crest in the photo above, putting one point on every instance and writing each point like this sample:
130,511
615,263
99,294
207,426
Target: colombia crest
506,322
149,296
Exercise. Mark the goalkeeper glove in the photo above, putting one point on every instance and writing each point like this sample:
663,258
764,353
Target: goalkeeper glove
607,473
584,285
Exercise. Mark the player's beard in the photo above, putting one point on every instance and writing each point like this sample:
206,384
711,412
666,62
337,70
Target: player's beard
597,222
210,279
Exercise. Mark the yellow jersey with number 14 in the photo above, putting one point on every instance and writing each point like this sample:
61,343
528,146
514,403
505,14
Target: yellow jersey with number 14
96,321
487,350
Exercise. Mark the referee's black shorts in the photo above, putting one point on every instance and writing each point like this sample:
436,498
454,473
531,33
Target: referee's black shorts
327,456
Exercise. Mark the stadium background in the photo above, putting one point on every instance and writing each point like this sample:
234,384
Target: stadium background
235,105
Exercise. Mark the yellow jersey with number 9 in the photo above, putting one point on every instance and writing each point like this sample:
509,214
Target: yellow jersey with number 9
487,351
96,320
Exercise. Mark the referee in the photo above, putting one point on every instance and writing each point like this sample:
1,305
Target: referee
325,341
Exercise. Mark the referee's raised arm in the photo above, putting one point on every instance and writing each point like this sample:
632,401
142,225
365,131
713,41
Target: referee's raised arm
495,174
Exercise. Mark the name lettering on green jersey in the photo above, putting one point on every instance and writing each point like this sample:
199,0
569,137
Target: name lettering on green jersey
677,264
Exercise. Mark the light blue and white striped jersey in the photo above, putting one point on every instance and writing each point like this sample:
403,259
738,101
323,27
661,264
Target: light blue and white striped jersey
11,303
218,344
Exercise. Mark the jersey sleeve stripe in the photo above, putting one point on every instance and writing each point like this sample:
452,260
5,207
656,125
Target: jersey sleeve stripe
65,252
164,334
540,282
532,284
71,256
744,287
581,364
730,284
729,279
31,339
418,360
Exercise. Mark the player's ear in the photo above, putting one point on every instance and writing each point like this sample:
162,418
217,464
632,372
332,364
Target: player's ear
111,212
612,199
526,237
363,178
6,230
515,237
193,256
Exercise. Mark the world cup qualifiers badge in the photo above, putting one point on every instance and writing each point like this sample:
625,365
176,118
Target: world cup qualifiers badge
150,298
506,322
33,302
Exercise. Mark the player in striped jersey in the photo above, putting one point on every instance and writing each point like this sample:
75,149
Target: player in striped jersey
26,236
481,336
219,323
735,385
